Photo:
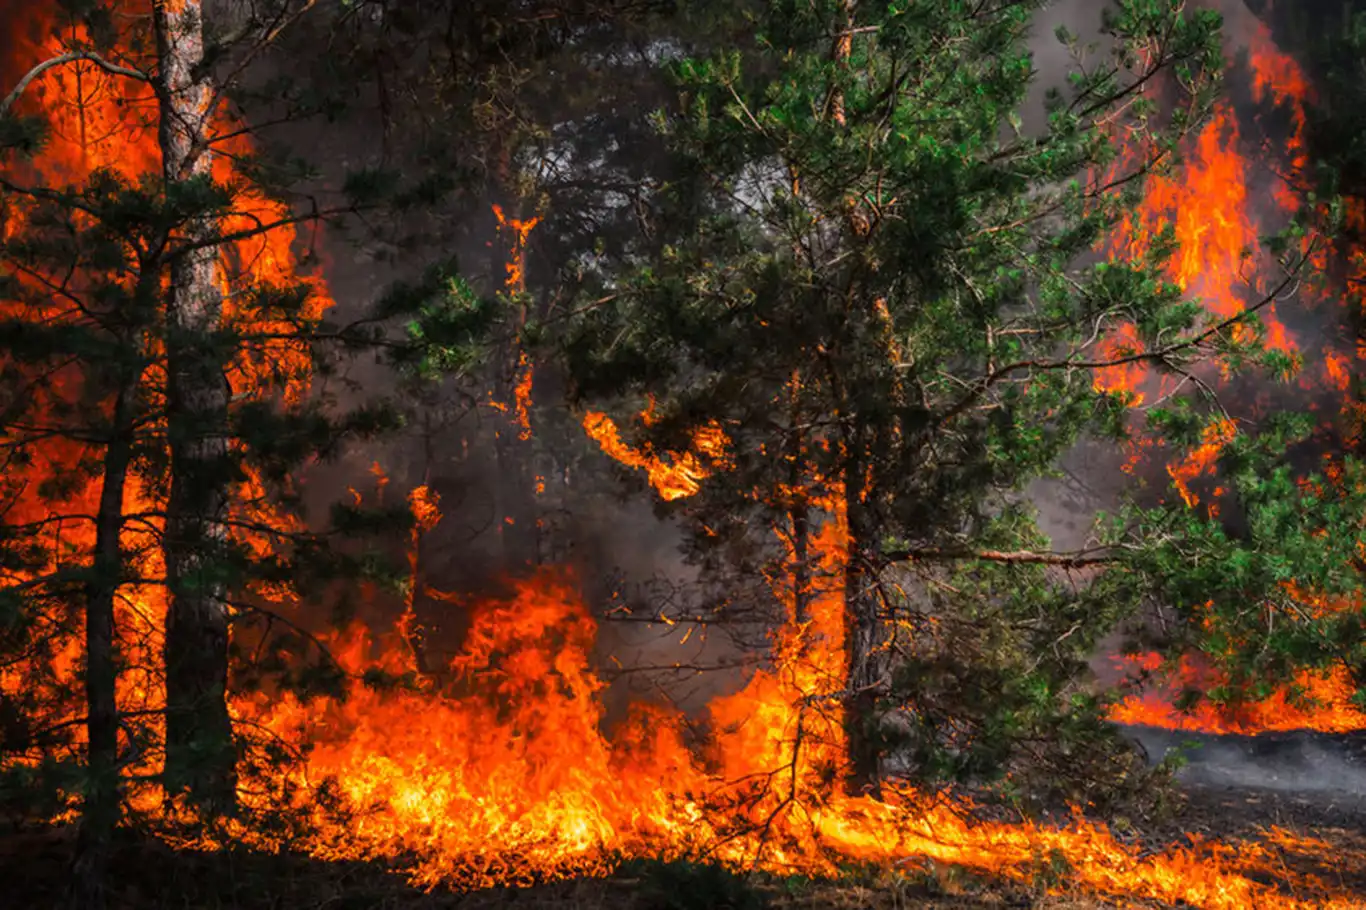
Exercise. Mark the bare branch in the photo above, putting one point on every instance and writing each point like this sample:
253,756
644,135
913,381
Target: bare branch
1072,560
111,68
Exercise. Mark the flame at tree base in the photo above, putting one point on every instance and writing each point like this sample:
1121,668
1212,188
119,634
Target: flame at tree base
506,776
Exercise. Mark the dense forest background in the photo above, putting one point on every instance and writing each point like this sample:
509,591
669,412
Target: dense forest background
500,439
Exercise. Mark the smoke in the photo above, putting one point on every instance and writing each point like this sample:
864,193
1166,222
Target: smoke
495,527
1295,762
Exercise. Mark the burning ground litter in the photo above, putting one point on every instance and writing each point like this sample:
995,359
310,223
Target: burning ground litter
503,770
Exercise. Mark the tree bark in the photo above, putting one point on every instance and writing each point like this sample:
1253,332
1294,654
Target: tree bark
861,639
861,626
517,509
799,509
200,757
100,812
840,52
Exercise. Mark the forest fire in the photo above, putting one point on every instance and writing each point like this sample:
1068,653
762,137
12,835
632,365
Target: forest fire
503,769
673,477
106,124
508,776
1218,231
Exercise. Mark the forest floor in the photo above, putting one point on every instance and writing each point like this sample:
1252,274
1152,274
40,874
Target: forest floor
151,876
1316,806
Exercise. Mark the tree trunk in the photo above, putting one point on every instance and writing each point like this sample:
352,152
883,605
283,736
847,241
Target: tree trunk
861,627
841,50
517,509
799,509
861,639
200,757
100,812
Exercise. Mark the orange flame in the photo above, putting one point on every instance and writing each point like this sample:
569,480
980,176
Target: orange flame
506,773
1320,702
515,283
1202,459
674,478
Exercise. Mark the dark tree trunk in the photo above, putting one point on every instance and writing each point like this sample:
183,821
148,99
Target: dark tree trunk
517,509
861,640
200,757
839,53
100,812
861,624
799,510
799,516
861,631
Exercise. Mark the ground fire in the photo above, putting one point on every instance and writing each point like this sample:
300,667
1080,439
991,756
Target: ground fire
503,768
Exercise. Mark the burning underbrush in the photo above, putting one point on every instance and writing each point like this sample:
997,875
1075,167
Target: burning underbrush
505,776
154,876
502,768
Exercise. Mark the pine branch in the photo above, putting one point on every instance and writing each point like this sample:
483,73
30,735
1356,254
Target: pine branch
1158,356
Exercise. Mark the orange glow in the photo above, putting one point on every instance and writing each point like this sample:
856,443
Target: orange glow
1338,370
515,283
1121,377
673,478
506,771
1218,248
521,396
1201,461
1321,702
102,122
1219,257
423,503
516,265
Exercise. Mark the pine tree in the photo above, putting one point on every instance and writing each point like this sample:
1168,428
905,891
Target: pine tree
156,339
199,752
885,287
